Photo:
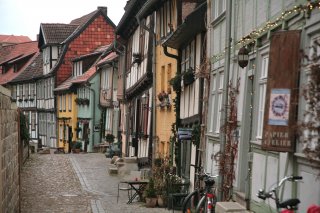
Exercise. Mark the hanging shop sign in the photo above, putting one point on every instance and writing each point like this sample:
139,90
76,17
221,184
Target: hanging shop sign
184,133
282,92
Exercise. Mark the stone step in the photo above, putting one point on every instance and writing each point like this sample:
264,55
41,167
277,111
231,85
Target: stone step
224,207
113,170
130,159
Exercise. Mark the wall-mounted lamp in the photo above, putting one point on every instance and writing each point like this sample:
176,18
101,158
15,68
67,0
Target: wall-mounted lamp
243,57
145,101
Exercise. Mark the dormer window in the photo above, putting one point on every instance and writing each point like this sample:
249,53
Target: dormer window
77,68
15,68
4,69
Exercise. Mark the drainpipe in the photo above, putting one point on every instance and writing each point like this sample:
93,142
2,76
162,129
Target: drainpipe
153,104
93,112
177,57
224,116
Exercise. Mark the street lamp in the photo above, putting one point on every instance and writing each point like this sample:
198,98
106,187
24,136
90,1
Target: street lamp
243,57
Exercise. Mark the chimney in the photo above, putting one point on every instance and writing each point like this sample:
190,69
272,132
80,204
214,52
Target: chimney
103,9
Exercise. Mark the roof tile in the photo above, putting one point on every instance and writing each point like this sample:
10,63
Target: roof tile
57,33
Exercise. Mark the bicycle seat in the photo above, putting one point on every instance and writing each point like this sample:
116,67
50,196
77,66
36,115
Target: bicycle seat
290,203
209,181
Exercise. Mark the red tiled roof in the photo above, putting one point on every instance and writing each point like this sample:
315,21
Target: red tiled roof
33,71
11,52
108,58
12,39
77,80
57,33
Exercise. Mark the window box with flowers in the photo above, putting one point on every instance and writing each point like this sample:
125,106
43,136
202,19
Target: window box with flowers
136,58
20,100
164,99
188,76
85,101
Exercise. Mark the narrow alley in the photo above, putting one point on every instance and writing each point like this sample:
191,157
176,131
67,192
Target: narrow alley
73,183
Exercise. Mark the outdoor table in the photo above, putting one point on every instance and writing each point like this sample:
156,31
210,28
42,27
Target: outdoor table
138,186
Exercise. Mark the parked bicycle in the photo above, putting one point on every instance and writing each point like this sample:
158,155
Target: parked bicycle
290,204
201,199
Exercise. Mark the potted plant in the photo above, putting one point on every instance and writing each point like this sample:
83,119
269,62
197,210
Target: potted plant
150,194
85,101
175,82
77,147
110,138
159,173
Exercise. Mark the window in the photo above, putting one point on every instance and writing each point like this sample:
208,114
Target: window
163,76
26,90
61,132
66,135
60,102
70,102
77,68
213,96
14,92
166,16
33,121
169,71
219,104
64,102
32,91
219,6
20,91
262,94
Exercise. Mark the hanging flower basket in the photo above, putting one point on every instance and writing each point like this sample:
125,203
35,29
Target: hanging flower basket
175,82
85,101
188,77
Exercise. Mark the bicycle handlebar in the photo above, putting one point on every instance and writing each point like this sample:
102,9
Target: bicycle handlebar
264,195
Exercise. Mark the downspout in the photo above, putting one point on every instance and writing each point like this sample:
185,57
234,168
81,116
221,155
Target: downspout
177,57
93,113
224,116
153,103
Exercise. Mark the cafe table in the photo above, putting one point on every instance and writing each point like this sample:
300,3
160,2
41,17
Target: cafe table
138,186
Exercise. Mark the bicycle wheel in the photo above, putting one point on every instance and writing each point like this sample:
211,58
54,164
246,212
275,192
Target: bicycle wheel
190,202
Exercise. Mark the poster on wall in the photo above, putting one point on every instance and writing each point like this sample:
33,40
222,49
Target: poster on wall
279,107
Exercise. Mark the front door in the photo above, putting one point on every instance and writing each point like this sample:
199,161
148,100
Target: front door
85,136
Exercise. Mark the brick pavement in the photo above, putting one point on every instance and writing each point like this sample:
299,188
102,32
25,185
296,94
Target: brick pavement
74,183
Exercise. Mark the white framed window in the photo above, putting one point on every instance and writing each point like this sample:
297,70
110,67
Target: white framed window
64,102
218,7
77,68
70,102
33,120
61,132
60,102
32,91
213,97
66,132
166,17
219,103
262,94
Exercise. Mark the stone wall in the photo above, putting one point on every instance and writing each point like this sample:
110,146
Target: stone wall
9,161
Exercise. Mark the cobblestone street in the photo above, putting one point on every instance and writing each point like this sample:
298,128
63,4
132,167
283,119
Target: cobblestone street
73,183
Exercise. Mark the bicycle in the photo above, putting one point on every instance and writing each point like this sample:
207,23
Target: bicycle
201,199
290,204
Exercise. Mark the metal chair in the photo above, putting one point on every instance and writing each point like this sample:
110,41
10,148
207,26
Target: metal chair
124,187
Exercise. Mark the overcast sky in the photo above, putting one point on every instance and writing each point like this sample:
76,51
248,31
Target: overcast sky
23,17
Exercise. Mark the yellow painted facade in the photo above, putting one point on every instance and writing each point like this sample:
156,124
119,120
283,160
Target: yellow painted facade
67,120
166,68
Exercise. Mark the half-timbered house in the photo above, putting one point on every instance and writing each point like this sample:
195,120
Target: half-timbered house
61,43
139,54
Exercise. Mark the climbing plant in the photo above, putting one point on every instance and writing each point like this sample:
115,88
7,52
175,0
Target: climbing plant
24,130
228,156
310,125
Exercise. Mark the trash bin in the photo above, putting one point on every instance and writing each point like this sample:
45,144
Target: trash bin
39,143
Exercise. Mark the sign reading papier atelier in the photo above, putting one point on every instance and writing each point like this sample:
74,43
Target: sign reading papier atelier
282,92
